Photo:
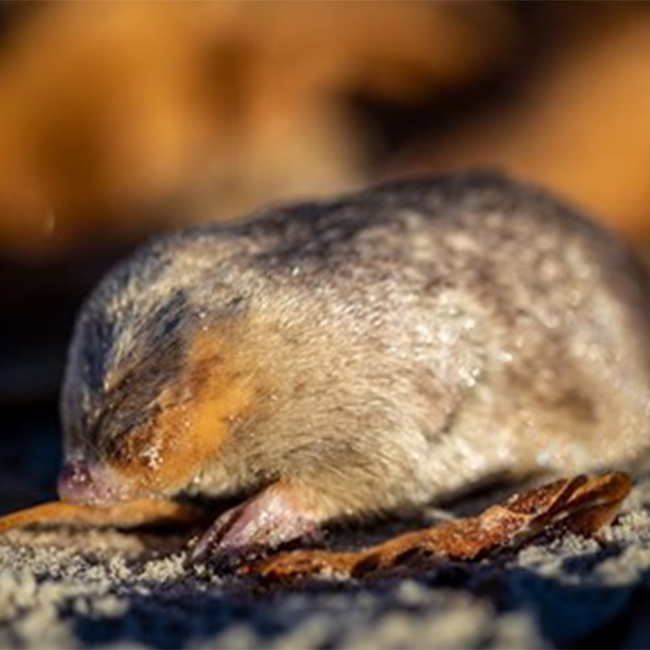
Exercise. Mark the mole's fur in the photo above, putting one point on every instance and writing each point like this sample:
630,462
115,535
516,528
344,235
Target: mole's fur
355,357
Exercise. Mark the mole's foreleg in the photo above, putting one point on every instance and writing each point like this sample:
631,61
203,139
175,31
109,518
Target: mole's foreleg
273,516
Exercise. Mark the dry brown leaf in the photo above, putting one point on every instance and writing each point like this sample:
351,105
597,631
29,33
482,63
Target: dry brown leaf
124,515
581,505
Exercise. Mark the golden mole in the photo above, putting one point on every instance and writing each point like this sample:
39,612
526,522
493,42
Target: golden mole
358,357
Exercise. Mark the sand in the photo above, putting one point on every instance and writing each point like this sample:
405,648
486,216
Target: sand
74,588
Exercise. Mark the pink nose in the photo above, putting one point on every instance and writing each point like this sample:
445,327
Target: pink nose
78,484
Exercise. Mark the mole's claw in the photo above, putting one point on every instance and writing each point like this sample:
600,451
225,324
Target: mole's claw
265,521
210,540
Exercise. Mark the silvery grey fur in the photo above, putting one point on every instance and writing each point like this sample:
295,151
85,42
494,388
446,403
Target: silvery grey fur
411,339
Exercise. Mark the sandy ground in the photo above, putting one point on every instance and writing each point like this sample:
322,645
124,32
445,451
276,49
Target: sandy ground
66,588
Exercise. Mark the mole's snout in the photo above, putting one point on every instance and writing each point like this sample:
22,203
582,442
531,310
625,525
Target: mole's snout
81,484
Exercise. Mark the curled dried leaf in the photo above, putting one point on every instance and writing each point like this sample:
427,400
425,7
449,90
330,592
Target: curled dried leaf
583,505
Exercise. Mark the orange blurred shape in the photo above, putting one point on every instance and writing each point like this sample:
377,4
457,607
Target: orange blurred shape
580,127
108,110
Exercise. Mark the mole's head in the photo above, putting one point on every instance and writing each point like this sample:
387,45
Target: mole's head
151,388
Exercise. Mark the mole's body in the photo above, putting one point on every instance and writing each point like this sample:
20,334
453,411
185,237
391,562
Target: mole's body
357,357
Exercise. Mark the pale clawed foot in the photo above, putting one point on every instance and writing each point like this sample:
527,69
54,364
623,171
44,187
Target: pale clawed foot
274,516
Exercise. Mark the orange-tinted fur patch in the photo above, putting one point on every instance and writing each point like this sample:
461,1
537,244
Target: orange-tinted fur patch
197,412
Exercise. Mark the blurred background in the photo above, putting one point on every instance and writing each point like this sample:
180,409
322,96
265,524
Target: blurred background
122,120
